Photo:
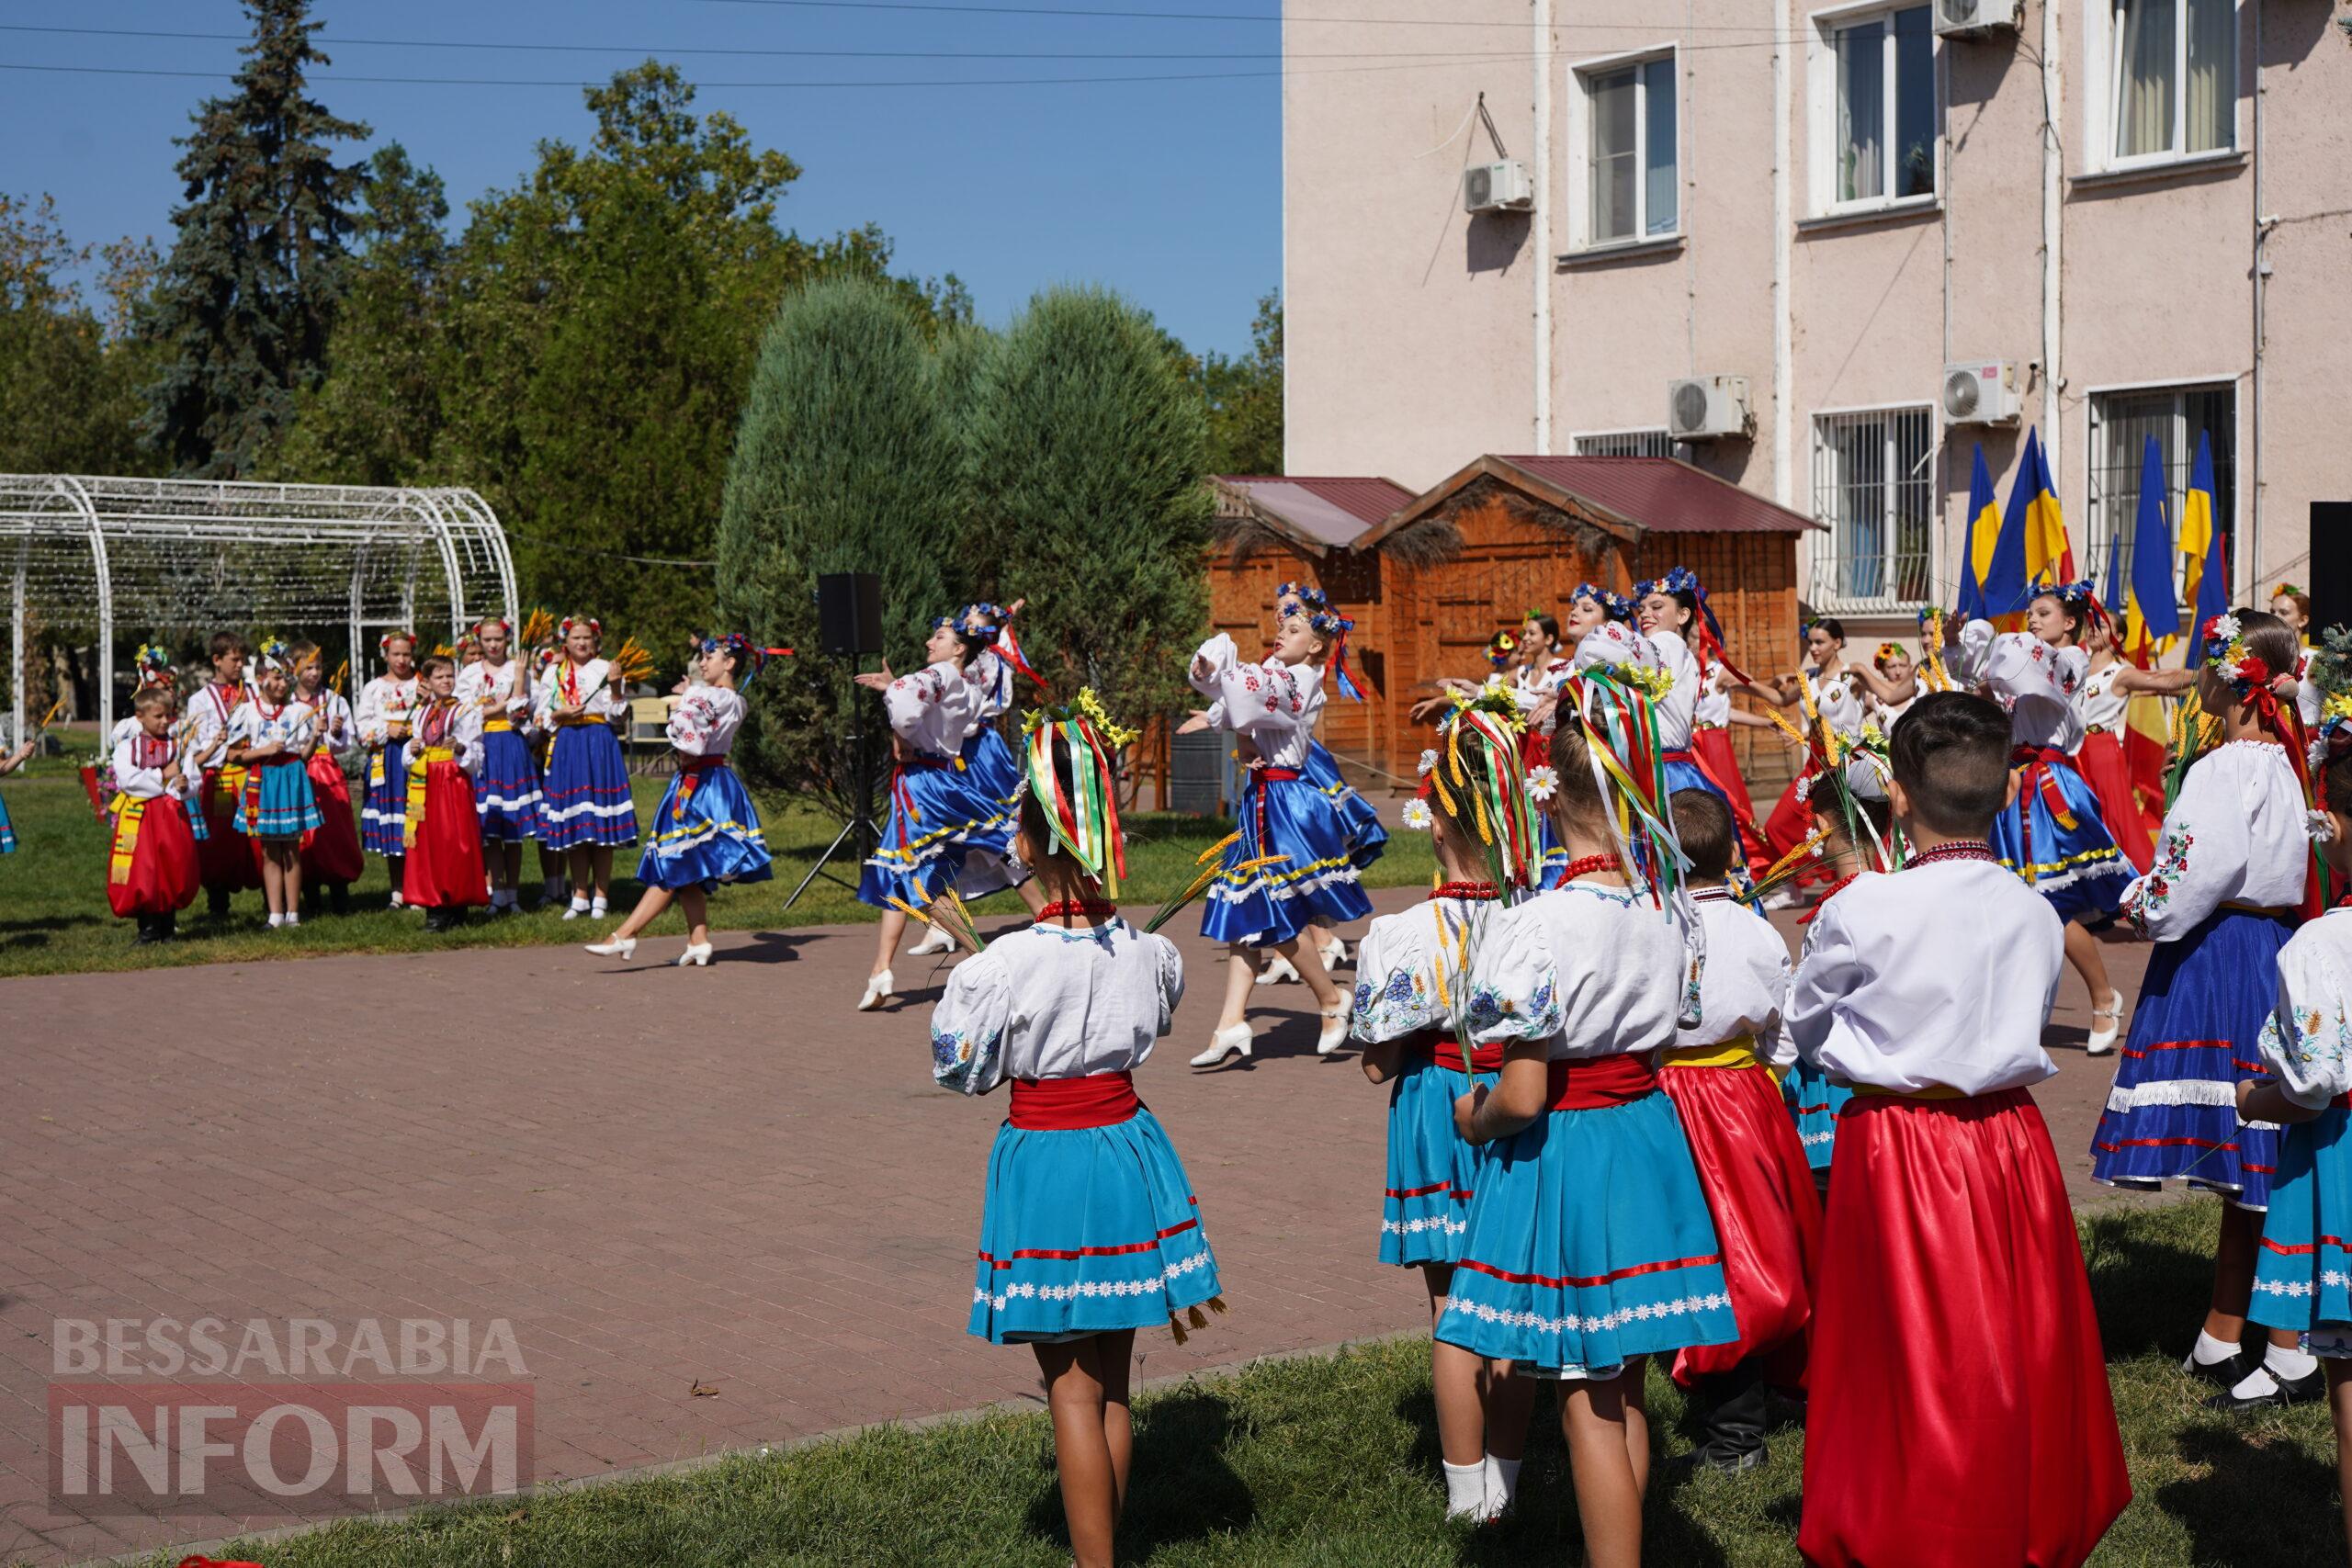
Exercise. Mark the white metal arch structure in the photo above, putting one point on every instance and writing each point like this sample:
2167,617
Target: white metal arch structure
115,561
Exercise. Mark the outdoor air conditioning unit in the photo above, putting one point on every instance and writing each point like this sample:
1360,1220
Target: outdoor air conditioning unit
1970,18
1498,188
1708,407
1980,391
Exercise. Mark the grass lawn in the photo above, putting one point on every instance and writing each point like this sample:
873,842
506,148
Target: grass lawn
1334,1461
54,919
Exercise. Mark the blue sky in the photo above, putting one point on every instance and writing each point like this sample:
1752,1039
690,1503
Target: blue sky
1168,191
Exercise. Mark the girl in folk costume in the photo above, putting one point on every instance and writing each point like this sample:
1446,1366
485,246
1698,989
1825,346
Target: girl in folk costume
1289,864
938,810
1760,1187
270,738
2106,696
706,832
506,787
9,763
442,873
1669,615
586,807
1590,606
383,716
1890,684
1089,1229
330,857
151,872
2229,878
1412,985
1590,1245
2052,834
540,737
1823,681
227,861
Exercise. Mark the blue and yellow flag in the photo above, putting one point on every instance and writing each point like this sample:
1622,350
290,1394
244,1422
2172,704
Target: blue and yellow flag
2033,510
2002,574
2205,580
2154,611
1984,529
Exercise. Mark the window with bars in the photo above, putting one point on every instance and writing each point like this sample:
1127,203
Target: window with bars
2172,78
1631,443
2122,424
1874,484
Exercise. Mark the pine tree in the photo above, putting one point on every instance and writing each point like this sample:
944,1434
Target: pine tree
248,294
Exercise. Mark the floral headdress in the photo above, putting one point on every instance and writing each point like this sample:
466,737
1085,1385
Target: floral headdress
1084,819
1615,694
2286,591
1887,651
153,662
275,655
1474,773
1616,606
1294,597
751,658
1502,647
1333,627
1706,632
2081,598
596,626
384,643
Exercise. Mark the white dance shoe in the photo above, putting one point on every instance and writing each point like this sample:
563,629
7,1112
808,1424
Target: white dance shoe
1226,1043
696,956
2102,1041
1278,971
1335,953
613,947
934,941
1335,1029
879,988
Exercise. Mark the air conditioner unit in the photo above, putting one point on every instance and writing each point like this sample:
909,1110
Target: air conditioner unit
1707,407
1970,18
1498,188
1980,391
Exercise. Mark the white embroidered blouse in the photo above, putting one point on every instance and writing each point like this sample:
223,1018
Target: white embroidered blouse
453,724
2041,687
582,686
2308,1040
1406,978
1589,970
503,692
257,723
1044,1002
209,712
705,721
1272,704
1677,711
934,708
1746,981
2237,834
148,765
384,702
337,728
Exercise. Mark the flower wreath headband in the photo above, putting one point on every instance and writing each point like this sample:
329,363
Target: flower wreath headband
275,655
991,627
1084,819
1706,629
1616,606
1291,597
2081,598
751,658
154,663
596,626
384,643
1489,790
1333,628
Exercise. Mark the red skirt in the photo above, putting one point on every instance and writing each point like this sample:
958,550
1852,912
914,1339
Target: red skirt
1711,747
1959,1392
226,858
332,853
1766,1216
444,867
161,877
2101,763
1789,826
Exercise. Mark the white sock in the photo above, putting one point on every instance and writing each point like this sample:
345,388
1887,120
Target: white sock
1465,1489
293,917
276,920
2255,1384
597,907
579,904
1502,1483
398,902
2287,1364
2209,1351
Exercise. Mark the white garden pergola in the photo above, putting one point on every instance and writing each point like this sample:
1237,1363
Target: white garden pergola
115,560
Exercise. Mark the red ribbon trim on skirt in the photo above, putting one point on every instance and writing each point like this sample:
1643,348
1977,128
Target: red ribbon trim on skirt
1459,1194
922,761
1446,1051
1595,1083
2141,1052
2336,1242
2032,763
1065,1255
1572,1283
1067,1105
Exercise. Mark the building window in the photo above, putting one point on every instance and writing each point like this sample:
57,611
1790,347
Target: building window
1631,443
2172,77
2122,424
1874,484
1875,105
1631,189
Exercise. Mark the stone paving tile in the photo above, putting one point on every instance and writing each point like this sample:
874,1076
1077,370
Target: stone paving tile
657,1176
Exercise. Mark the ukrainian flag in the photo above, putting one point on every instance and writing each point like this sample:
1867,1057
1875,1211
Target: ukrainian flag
1983,533
2149,603
2205,580
2033,508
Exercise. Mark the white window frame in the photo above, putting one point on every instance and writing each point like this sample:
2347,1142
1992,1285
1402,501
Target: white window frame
1581,150
1821,109
2103,93
1826,556
2104,524
1649,434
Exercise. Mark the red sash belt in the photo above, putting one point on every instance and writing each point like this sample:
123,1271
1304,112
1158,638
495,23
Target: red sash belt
1065,1105
2034,761
1273,775
922,761
1686,755
1259,777
1447,1052
690,773
2341,1102
1594,1083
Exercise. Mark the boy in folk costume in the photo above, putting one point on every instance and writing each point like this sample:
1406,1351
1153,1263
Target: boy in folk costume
1753,1169
271,739
1589,1246
1960,1411
383,714
1412,987
441,870
506,788
1089,1229
2229,881
151,871
227,861
331,857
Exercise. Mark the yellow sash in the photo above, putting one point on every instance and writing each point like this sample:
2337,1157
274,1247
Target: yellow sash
497,726
1737,1052
579,721
420,761
127,815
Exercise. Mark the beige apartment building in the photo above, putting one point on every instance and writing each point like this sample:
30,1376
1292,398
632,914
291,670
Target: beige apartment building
2124,218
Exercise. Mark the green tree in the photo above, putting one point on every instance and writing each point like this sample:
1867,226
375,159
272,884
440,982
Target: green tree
1245,398
69,385
1084,455
843,461
247,297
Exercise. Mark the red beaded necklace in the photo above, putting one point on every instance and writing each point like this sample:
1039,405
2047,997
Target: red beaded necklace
1466,890
1095,909
1585,867
1959,849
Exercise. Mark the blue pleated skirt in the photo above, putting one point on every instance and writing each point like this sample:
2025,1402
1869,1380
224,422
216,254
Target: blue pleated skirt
2302,1275
2173,1110
1682,771
383,816
1590,1242
713,836
1814,1105
1367,835
585,794
506,790
8,831
1433,1174
278,803
939,815
1316,880
989,768
2079,869
1087,1232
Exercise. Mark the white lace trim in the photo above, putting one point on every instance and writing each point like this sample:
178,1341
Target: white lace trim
1680,1308
2209,1092
1093,1288
1431,1223
2299,1288
1829,1137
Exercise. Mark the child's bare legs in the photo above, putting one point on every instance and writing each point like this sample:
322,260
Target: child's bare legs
1609,1457
1086,1390
1242,974
1311,970
2082,952
2339,1401
1456,1377
893,925
2233,1263
551,871
695,906
592,866
1317,937
506,863
281,876
649,904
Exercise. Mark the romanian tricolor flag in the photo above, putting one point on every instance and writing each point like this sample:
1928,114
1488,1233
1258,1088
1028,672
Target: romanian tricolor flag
2152,610
2033,512
2205,580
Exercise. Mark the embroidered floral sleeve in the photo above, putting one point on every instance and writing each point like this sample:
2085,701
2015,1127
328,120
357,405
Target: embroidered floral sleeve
1396,991
1514,984
2200,854
2307,1041
968,1027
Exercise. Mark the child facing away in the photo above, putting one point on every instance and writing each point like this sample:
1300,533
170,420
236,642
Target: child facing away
1089,1230
1958,1393
151,871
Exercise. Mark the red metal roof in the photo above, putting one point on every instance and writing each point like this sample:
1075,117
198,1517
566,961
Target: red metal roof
1327,510
1665,495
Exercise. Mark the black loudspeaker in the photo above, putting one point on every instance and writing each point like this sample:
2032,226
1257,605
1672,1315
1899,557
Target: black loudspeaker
2331,565
849,612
